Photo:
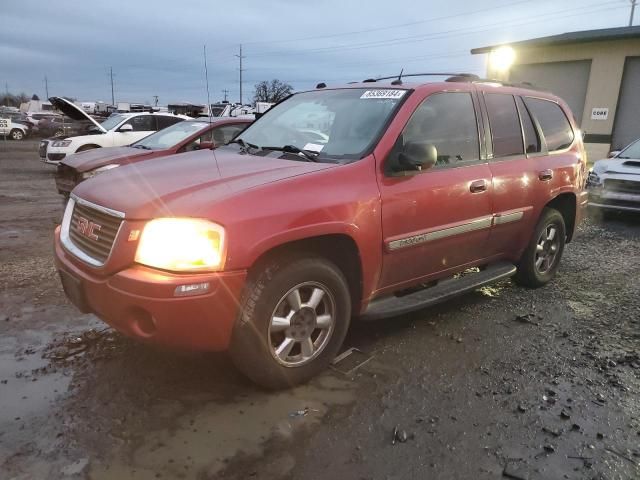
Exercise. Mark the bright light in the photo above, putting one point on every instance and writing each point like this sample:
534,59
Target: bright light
182,244
502,58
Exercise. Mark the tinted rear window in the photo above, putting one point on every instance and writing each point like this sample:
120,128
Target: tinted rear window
555,126
505,125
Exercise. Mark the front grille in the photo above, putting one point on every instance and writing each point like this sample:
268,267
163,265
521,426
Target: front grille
56,157
42,151
622,186
95,224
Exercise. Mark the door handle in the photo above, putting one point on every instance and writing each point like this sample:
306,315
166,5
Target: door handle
478,186
545,175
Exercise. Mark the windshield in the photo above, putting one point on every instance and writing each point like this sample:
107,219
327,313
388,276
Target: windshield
112,121
632,151
171,136
337,124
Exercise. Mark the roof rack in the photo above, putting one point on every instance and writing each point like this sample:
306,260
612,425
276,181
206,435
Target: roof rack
398,79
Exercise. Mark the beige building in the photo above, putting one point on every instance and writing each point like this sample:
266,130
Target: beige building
597,72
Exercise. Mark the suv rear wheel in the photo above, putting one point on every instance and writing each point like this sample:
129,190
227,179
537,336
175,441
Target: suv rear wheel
541,259
294,317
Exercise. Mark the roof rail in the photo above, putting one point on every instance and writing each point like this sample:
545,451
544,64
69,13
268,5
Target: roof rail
398,79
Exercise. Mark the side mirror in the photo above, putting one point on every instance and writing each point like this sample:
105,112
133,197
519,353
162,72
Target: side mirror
418,156
127,127
613,153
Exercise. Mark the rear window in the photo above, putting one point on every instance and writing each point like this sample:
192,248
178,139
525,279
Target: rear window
505,125
166,121
555,126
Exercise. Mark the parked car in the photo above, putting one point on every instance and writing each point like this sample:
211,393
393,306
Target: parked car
60,126
614,183
117,130
37,117
13,130
269,247
181,137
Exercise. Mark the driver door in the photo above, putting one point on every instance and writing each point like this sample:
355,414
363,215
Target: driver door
438,219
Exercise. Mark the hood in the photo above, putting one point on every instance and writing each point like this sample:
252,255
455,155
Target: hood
73,111
625,166
99,157
185,184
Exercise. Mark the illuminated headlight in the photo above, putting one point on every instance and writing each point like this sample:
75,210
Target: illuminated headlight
61,143
96,171
182,244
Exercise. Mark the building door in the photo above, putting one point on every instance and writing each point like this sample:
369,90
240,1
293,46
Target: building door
626,127
567,80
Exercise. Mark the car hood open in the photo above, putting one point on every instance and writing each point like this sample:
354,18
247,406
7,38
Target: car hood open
185,184
73,111
99,157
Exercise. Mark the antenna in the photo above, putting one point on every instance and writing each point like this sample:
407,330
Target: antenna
398,81
206,76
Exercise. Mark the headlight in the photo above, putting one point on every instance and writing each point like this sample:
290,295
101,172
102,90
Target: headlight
182,244
95,171
593,180
61,143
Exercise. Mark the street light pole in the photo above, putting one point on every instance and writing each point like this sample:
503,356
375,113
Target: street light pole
633,9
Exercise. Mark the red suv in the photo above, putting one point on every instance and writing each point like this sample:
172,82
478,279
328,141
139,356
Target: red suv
366,200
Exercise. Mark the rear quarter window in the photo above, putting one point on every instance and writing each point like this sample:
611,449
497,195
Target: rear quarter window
553,122
505,125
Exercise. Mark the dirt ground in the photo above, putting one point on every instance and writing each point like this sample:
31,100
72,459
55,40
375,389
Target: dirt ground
502,383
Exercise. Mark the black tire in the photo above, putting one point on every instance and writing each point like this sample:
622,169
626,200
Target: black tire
528,274
16,134
84,148
251,346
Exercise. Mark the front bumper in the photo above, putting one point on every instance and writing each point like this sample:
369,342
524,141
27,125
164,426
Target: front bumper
140,302
52,155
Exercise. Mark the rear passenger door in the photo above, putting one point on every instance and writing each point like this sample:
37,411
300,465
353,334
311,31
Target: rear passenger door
436,220
516,152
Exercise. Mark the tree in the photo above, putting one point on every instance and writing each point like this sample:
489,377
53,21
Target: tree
272,91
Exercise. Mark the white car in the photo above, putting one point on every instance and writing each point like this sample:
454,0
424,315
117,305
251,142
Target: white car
614,183
12,130
117,130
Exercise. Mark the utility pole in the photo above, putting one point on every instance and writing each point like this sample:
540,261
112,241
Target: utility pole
113,98
633,9
46,86
226,93
6,86
155,100
240,57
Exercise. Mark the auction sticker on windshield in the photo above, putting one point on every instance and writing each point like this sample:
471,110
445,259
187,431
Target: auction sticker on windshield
383,94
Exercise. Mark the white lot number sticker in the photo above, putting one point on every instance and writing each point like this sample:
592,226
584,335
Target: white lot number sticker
313,147
5,123
383,94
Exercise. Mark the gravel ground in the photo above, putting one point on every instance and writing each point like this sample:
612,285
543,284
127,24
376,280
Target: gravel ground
502,383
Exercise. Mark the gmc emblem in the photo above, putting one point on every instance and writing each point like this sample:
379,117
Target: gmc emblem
88,229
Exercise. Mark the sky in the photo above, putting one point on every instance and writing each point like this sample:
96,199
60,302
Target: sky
156,47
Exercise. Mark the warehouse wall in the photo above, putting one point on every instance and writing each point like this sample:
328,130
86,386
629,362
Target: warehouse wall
607,66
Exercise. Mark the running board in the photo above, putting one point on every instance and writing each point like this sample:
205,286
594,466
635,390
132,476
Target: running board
444,290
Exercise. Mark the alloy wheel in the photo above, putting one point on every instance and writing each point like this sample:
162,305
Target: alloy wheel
547,249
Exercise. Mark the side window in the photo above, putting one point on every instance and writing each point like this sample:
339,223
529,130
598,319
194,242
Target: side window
505,125
164,121
555,127
448,122
223,135
142,123
531,138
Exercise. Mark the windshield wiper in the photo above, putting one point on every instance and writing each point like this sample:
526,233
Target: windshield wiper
244,145
310,155
144,147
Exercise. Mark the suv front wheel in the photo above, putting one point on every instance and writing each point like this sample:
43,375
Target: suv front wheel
540,261
293,319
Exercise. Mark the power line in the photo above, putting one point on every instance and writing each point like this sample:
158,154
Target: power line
433,35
